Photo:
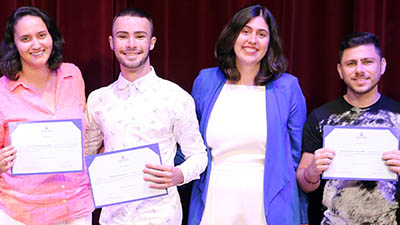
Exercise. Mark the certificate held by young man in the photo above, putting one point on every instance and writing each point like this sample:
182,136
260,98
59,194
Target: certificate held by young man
358,152
117,177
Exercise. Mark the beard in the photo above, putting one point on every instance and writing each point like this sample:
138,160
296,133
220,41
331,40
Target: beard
361,92
133,64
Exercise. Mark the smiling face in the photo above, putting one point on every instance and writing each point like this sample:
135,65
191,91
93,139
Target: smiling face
132,41
33,41
361,68
252,43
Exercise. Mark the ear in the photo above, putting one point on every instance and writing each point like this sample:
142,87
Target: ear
339,69
110,39
152,42
383,65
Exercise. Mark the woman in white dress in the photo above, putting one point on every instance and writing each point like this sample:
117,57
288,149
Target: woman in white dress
251,117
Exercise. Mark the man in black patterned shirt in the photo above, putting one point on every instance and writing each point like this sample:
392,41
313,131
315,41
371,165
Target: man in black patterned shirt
347,202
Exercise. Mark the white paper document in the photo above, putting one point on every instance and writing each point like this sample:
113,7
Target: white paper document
117,177
359,152
47,146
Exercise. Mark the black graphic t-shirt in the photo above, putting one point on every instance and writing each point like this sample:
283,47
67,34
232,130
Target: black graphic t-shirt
351,202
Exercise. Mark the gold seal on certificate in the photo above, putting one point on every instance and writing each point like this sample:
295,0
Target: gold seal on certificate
358,152
43,147
117,177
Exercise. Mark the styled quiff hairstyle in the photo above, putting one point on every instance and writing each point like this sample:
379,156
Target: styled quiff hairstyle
357,39
10,62
271,66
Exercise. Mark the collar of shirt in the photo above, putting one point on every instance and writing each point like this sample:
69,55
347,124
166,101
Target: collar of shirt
13,84
140,84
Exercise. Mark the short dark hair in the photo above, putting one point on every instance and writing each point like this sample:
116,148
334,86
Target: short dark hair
10,62
274,62
357,39
134,12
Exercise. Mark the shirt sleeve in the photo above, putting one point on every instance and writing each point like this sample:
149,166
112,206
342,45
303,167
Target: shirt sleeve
81,87
93,136
187,134
312,136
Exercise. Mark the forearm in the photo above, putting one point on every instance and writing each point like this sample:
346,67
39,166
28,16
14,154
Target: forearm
193,166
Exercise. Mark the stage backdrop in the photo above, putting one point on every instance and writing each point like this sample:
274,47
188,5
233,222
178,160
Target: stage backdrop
186,32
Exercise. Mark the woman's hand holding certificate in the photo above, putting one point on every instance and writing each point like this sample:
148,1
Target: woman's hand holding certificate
7,156
43,147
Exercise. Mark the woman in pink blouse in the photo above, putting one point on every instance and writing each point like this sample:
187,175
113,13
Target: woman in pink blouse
35,86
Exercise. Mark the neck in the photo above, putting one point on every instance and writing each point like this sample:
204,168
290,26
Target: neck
247,73
38,78
362,100
134,74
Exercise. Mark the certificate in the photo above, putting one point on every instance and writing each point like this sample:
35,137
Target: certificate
359,152
44,147
117,177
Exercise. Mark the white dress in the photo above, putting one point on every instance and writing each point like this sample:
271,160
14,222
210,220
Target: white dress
236,134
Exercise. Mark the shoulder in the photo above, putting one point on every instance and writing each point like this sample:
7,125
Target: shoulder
210,75
286,80
4,90
207,81
69,68
100,95
389,104
3,83
169,88
336,106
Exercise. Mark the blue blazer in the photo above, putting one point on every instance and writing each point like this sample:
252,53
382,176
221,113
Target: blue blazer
286,114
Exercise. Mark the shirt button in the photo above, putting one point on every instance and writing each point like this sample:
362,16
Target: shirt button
64,201
62,186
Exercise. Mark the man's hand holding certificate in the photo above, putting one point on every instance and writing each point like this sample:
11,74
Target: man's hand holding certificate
118,177
361,153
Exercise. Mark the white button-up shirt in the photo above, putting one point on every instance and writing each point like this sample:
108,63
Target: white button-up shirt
148,110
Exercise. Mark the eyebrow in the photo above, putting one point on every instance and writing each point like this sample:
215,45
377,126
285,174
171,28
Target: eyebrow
45,31
126,32
256,29
362,59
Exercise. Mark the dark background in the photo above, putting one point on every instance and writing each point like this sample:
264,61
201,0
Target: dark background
186,32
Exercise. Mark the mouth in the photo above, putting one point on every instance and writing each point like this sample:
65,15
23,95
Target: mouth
37,53
361,80
131,53
250,49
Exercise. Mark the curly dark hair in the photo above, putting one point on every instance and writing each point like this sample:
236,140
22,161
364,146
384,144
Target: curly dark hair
10,62
274,62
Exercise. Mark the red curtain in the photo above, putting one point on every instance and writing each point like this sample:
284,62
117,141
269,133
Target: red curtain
186,32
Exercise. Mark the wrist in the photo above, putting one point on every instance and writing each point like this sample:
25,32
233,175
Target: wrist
308,179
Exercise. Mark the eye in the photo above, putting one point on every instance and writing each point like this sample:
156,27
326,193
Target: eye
122,36
350,64
42,35
262,34
140,36
24,38
367,62
245,31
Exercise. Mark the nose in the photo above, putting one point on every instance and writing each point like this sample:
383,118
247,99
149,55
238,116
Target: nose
35,43
131,42
360,68
252,38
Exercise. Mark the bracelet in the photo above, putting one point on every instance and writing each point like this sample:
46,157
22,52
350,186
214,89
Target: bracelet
307,180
